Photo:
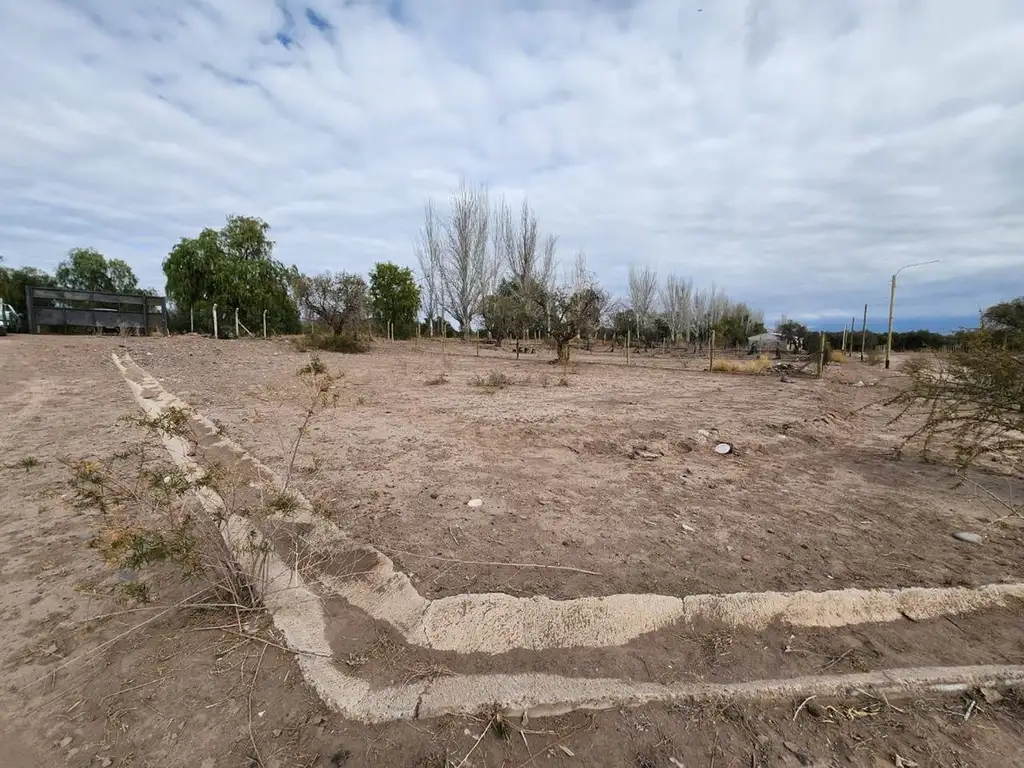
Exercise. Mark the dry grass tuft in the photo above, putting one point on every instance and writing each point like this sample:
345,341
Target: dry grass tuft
493,380
835,356
756,367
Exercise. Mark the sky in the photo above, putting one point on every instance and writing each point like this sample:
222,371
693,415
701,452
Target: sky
795,153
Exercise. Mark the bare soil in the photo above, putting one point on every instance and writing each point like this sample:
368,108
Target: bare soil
811,498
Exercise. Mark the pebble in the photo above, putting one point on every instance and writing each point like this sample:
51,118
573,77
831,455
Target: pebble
106,762
788,380
971,538
65,742
475,503
746,558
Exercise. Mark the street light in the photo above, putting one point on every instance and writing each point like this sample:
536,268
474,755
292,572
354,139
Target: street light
892,301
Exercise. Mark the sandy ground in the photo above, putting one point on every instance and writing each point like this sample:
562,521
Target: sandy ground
810,499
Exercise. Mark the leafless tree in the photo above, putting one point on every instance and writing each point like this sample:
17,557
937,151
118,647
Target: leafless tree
428,252
677,301
643,294
465,265
574,307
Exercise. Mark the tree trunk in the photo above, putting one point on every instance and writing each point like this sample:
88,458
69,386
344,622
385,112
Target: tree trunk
562,348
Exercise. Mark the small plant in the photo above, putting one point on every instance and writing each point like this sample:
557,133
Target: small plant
283,502
441,378
493,380
564,381
315,366
28,463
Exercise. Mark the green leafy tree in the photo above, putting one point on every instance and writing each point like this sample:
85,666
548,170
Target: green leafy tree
793,333
394,298
234,268
13,281
338,301
86,269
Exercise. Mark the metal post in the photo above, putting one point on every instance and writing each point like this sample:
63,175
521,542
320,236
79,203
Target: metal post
145,312
215,321
236,322
863,333
264,323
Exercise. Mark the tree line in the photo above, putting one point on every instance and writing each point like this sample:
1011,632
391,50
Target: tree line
492,265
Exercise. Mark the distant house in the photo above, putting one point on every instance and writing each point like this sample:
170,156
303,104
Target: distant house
765,343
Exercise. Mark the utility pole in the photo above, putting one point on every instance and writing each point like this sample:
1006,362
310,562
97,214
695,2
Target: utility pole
892,303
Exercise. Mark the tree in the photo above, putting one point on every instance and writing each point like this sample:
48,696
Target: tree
465,269
575,308
340,301
531,264
792,332
233,268
13,281
677,301
394,297
428,253
86,269
500,313
643,294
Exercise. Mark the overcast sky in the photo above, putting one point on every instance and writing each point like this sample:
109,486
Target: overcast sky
794,152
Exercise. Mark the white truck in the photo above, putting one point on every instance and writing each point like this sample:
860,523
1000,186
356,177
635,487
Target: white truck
9,319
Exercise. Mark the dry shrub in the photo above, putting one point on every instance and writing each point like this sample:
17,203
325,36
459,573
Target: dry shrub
330,342
971,401
441,378
835,356
756,367
493,380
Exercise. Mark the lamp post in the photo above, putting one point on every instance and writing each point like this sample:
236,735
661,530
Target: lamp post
892,302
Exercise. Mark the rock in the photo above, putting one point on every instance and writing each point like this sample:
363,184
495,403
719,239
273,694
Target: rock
703,433
433,495
970,538
106,762
66,741
991,695
787,380
640,453
815,709
858,384
277,732
475,503
746,558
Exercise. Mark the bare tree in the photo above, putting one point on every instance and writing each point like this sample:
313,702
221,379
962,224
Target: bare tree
677,301
428,252
465,266
643,294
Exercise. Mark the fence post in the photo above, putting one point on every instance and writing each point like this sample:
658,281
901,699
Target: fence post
215,321
711,351
821,355
236,322
264,323
863,332
192,319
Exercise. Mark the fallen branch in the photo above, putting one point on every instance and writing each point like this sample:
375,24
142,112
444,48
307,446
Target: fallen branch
495,562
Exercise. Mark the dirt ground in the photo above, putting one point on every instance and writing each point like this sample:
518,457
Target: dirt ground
810,498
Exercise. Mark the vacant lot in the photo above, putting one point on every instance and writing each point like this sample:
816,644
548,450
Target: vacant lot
607,485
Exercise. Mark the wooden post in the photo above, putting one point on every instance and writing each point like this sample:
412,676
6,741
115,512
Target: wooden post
711,351
215,321
821,355
863,333
844,340
853,325
236,322
192,319
264,323
628,345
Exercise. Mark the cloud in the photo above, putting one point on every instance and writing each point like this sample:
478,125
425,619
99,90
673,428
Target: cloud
792,152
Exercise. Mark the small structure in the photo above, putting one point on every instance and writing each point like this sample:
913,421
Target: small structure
763,343
64,308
